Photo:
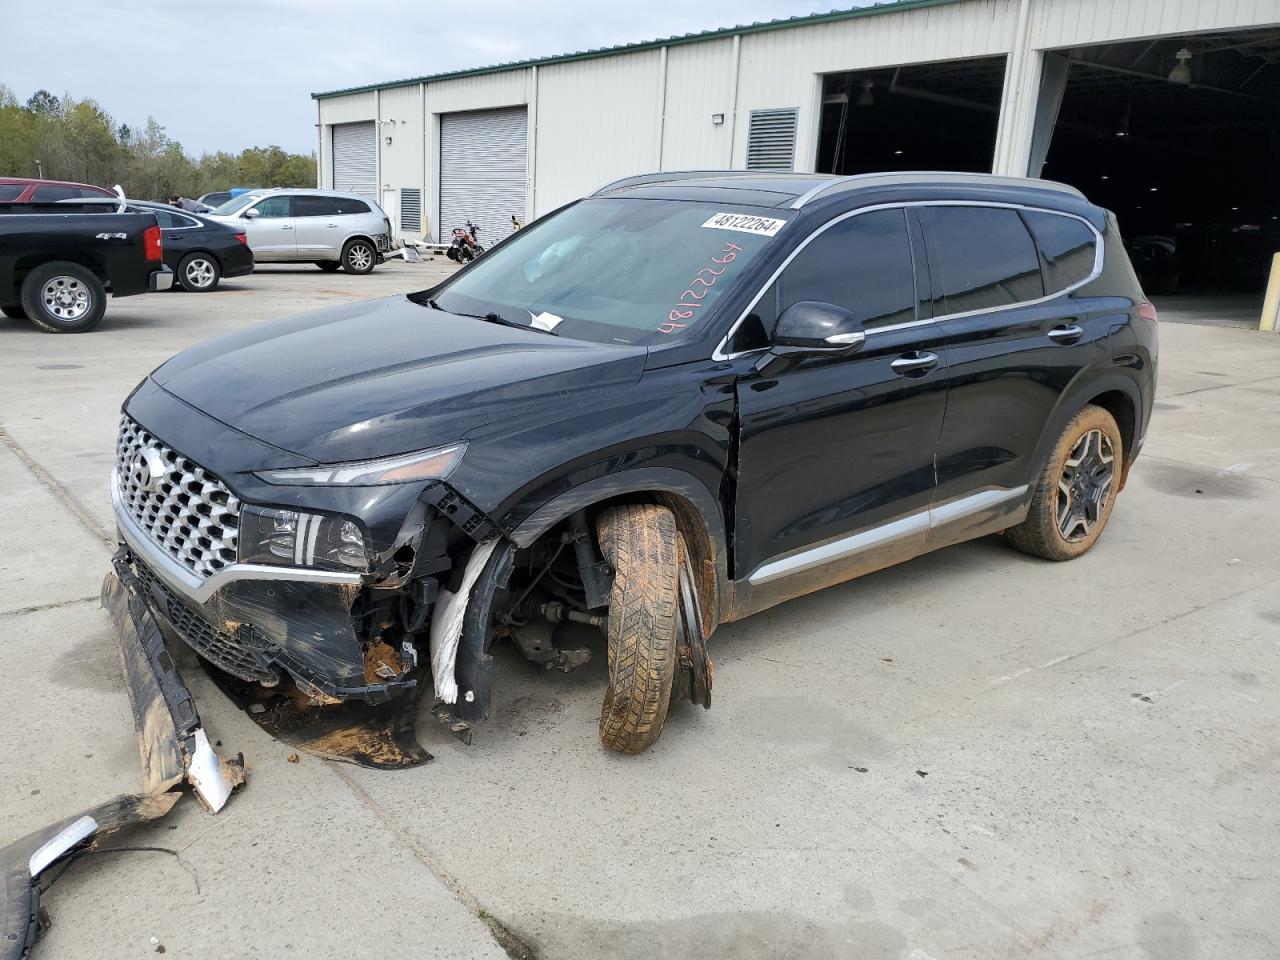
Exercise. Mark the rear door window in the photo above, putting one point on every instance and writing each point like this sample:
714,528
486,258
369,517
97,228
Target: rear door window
981,258
11,191
53,193
1068,249
308,206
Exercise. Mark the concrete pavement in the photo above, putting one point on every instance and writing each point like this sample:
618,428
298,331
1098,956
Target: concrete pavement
974,755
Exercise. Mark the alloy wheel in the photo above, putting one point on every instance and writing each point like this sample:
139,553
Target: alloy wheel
66,298
359,256
199,272
1085,485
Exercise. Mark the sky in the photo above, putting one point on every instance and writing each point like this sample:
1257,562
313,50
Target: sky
239,74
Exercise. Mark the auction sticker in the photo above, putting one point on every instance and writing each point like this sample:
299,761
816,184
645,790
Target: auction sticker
745,223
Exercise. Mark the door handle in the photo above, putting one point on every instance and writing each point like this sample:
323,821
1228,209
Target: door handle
914,364
332,226
1066,334
286,227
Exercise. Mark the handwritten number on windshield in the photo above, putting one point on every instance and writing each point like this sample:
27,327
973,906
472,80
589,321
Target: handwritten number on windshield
691,297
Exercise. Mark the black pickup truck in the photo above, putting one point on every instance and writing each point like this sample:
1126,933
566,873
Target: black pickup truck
56,268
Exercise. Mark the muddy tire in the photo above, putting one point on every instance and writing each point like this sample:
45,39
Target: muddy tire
1076,491
639,542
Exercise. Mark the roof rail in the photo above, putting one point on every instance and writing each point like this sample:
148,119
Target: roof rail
862,180
642,178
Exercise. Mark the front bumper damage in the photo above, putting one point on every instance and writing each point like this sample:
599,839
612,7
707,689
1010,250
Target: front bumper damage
173,744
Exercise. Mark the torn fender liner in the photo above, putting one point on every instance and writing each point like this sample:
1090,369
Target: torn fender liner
446,625
24,862
170,738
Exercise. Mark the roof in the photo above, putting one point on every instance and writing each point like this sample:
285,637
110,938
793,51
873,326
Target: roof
785,23
794,190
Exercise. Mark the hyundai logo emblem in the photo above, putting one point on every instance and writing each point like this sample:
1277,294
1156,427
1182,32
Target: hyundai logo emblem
149,469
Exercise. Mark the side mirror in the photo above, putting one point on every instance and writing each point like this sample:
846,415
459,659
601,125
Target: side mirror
811,328
252,214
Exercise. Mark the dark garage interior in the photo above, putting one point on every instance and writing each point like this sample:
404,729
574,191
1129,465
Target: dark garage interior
1181,138
935,116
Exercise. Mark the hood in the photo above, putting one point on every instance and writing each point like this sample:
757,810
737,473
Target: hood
382,377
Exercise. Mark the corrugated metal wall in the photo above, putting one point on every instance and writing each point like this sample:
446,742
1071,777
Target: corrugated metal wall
699,84
597,120
594,120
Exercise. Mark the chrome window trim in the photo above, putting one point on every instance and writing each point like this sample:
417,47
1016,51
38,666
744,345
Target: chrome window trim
1098,258
201,589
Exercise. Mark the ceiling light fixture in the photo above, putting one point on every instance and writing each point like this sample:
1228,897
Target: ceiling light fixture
1182,72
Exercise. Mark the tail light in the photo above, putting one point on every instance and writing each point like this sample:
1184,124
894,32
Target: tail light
151,244
243,238
1147,311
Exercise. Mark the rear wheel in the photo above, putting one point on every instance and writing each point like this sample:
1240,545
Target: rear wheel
328,266
63,297
14,310
199,273
1076,491
359,257
639,541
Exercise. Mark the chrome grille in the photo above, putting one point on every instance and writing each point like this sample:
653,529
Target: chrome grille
189,512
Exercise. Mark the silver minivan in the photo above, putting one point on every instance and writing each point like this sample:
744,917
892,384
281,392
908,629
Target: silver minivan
324,227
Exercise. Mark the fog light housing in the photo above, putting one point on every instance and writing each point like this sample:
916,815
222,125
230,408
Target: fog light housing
295,538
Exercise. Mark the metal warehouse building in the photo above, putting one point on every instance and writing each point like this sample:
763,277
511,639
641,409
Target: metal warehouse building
1167,111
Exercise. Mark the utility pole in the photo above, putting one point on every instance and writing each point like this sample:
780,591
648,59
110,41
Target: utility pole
40,169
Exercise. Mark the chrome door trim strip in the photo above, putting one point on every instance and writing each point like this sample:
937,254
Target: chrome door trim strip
1099,255
883,534
819,556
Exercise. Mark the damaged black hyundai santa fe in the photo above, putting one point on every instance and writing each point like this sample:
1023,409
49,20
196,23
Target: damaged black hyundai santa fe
662,408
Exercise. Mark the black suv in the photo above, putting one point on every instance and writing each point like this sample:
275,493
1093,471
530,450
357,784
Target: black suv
667,406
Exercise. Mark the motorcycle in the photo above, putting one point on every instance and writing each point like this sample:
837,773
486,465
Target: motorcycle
464,246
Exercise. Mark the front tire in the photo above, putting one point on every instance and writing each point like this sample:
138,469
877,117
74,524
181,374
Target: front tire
639,542
63,297
359,257
199,273
1076,490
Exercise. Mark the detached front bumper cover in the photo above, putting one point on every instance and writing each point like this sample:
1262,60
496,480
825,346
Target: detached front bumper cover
172,742
24,862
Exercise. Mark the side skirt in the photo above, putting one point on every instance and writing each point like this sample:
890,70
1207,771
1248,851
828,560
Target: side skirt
804,571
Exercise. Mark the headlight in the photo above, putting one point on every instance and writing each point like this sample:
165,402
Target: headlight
294,538
434,464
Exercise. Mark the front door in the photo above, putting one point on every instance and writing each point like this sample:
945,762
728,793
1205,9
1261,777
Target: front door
836,455
271,232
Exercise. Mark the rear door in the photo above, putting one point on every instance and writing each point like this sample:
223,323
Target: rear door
833,447
317,228
271,232
1015,336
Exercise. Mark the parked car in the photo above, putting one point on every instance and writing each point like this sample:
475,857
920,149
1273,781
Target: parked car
678,402
56,269
199,251
219,197
20,190
323,227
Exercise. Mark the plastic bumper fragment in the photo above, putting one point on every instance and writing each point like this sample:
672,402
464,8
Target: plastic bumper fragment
173,744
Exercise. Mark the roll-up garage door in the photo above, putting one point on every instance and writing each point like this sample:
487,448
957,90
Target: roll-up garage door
483,158
355,163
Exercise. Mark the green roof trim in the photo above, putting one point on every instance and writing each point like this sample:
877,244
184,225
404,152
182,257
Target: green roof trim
888,6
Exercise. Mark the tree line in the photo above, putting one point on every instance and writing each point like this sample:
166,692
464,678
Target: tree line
62,138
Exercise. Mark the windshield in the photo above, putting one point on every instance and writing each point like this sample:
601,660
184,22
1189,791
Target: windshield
236,204
616,270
